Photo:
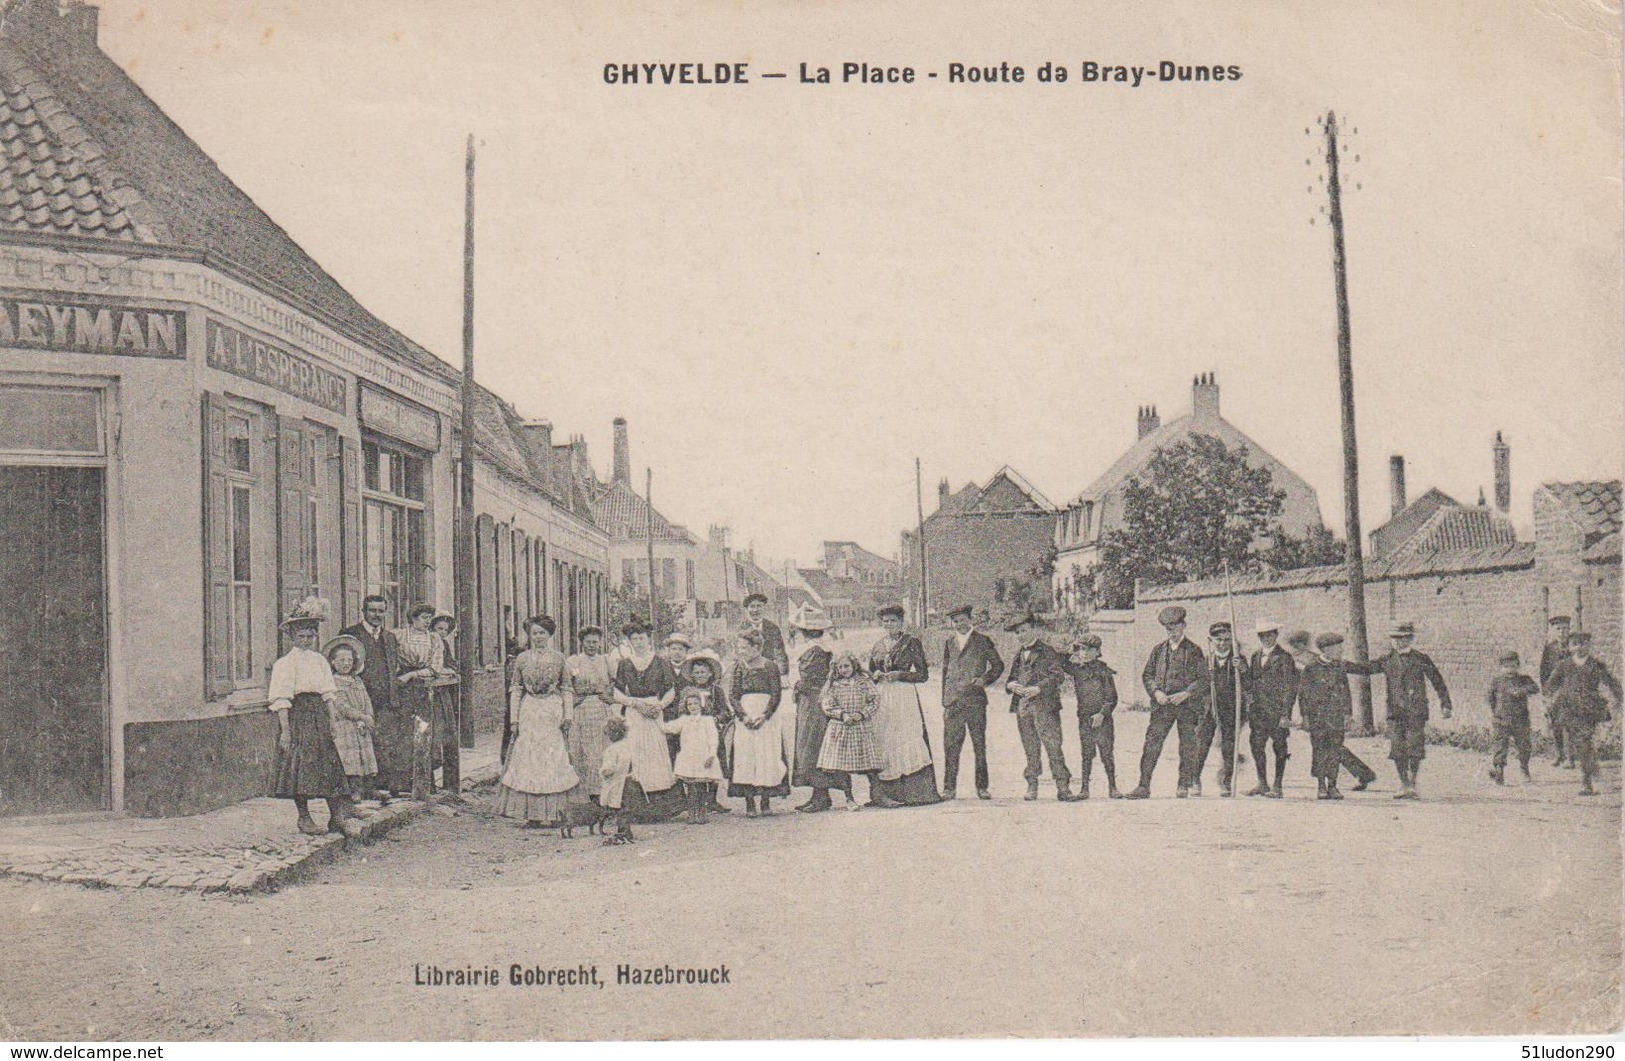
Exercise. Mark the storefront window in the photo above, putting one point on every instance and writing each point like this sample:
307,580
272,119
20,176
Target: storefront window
392,526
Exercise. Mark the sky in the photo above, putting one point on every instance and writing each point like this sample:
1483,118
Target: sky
792,291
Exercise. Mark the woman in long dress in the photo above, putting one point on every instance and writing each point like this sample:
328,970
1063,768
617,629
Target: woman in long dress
812,674
589,703
302,695
422,659
759,768
897,666
538,780
644,684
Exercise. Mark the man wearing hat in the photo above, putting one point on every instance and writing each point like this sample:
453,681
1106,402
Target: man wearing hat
1175,678
1406,675
772,636
1510,691
970,665
1555,651
1272,688
1225,673
1576,688
1325,703
1095,686
1034,686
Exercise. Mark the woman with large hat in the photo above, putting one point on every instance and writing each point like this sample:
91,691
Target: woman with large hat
897,666
302,694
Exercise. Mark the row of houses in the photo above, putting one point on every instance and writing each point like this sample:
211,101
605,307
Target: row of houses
200,427
1459,570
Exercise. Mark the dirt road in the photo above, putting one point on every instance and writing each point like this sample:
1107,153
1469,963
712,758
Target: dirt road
1477,910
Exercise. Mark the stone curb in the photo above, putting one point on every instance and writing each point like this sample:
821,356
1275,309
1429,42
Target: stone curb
195,874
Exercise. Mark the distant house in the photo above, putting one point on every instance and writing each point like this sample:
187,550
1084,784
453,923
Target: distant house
1083,524
630,521
1577,560
984,545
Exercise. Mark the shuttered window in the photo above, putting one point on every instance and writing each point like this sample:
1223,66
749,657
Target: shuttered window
239,604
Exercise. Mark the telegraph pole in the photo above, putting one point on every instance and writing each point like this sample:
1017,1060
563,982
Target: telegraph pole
1354,559
452,768
649,498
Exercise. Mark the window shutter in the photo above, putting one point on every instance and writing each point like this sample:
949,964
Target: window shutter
217,680
293,492
490,605
351,576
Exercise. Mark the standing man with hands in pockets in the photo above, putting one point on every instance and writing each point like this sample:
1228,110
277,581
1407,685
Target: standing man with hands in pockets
970,664
1175,677
1034,686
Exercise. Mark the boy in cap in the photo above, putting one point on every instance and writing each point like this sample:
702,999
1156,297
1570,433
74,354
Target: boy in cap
1509,715
1273,687
1096,690
1034,686
1406,675
1577,691
1226,674
1553,652
1175,678
1325,704
970,664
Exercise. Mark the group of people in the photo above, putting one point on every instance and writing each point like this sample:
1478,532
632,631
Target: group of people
348,715
639,733
1201,696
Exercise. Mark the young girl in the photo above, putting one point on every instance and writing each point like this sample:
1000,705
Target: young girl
352,714
696,765
850,744
302,694
702,673
616,775
538,780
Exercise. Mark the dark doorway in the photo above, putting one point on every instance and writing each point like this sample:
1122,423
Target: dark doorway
53,641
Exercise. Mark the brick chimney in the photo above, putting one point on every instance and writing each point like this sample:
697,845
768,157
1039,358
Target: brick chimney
718,536
623,454
1396,484
942,492
539,430
1148,420
1503,475
1205,396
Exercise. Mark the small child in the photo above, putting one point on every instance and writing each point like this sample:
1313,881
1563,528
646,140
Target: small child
1509,714
351,713
617,774
850,742
696,764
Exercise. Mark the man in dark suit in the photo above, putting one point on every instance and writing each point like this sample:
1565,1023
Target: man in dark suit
1555,651
392,733
1034,686
1226,676
970,664
772,637
1175,678
1272,689
1406,674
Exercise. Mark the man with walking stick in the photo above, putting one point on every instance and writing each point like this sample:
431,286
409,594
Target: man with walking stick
1225,683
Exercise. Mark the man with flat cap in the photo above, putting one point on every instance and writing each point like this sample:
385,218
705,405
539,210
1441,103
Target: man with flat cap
1034,686
970,665
1273,687
1406,674
1175,678
1555,651
1326,705
1577,687
1225,675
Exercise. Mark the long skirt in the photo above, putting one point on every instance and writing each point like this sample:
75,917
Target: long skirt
587,741
538,781
651,760
310,768
811,724
907,775
392,736
758,754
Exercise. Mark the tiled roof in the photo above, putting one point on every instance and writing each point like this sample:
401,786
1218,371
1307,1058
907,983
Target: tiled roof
1510,556
109,162
625,514
1404,524
1456,528
1593,505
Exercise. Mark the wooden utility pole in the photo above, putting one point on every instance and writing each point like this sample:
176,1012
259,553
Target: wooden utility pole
649,499
1354,558
452,775
919,506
